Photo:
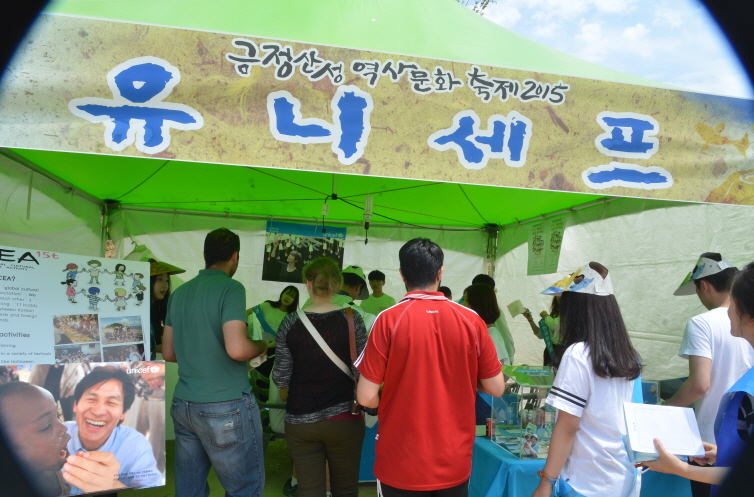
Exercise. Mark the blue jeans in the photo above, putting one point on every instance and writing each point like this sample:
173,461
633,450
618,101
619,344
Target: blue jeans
225,435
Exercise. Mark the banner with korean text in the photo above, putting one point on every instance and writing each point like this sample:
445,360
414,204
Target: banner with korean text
103,87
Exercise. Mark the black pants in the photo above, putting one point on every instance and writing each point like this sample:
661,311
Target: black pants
461,490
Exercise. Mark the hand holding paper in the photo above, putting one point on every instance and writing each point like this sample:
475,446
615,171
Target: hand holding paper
516,308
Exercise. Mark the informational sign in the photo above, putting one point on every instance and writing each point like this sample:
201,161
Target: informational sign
537,240
64,308
545,240
554,231
288,104
290,246
113,412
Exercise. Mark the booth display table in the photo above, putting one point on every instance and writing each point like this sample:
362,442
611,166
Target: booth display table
496,473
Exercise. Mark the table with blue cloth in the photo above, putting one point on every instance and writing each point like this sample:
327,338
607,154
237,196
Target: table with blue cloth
497,473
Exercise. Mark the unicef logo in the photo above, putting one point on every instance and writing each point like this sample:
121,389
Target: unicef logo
150,369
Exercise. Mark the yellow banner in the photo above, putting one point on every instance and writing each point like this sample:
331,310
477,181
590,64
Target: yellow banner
102,87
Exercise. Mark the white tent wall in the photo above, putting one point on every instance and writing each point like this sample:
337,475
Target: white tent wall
39,213
179,239
649,247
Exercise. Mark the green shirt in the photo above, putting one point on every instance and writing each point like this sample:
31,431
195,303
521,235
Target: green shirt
197,311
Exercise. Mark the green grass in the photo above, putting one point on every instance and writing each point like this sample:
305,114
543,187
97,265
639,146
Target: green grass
277,465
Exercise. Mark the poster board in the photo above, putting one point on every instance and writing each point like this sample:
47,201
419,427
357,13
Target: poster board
64,308
290,246
110,411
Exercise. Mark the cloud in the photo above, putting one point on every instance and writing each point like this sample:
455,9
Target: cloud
614,6
665,16
592,42
504,14
546,30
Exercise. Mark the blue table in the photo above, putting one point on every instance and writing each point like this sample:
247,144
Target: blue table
496,473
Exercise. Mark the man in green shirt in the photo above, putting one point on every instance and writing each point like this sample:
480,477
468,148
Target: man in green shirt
217,421
378,301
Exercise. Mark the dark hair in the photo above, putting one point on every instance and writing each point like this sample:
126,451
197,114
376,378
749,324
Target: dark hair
353,279
555,306
294,305
11,388
219,246
482,300
420,260
158,310
68,281
295,254
376,275
721,281
120,265
742,291
597,320
483,278
446,291
102,374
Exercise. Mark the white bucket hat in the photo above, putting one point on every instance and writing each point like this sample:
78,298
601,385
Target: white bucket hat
585,280
704,267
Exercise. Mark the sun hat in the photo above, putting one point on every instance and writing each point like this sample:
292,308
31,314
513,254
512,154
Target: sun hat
158,267
704,267
364,293
585,280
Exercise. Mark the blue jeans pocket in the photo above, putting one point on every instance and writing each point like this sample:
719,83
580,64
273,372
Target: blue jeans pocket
224,429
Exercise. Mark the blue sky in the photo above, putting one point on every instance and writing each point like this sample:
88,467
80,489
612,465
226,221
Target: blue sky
675,42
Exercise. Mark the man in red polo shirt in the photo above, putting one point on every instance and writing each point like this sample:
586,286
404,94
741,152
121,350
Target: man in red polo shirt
432,355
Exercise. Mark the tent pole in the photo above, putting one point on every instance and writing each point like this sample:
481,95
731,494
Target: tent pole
355,223
597,203
492,237
13,156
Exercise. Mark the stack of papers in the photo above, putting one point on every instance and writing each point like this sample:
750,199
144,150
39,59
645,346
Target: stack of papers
675,427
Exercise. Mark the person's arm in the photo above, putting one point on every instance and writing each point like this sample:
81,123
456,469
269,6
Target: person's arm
367,393
668,463
696,385
237,344
561,443
534,327
168,352
494,386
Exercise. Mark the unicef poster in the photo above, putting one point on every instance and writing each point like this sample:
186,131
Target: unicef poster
82,428
61,308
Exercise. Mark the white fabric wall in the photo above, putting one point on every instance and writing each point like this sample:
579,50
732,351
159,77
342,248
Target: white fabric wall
179,239
59,220
649,247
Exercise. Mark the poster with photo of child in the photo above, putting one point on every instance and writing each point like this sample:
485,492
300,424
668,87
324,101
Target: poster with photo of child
290,246
51,299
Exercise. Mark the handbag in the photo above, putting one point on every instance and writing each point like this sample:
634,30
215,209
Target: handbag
356,408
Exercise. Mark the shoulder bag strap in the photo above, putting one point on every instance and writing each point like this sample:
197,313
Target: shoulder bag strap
351,333
323,345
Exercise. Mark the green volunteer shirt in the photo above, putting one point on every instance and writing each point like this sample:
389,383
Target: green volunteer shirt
375,305
197,311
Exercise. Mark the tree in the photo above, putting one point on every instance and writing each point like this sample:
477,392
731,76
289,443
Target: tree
479,5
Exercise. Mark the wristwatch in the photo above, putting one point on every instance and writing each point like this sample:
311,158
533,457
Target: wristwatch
544,476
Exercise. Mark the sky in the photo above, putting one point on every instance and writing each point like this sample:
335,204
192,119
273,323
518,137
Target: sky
675,42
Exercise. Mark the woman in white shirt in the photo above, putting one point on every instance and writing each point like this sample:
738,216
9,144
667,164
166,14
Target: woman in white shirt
595,376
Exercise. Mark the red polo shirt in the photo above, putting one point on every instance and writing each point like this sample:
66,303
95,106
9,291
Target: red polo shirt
429,353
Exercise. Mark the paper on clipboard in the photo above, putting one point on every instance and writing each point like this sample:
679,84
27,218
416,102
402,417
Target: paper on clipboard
675,427
516,308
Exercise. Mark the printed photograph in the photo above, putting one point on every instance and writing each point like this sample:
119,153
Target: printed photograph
122,353
48,413
72,353
76,328
290,246
121,330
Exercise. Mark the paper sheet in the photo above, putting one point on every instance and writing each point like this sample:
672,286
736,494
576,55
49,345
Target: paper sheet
675,427
516,308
